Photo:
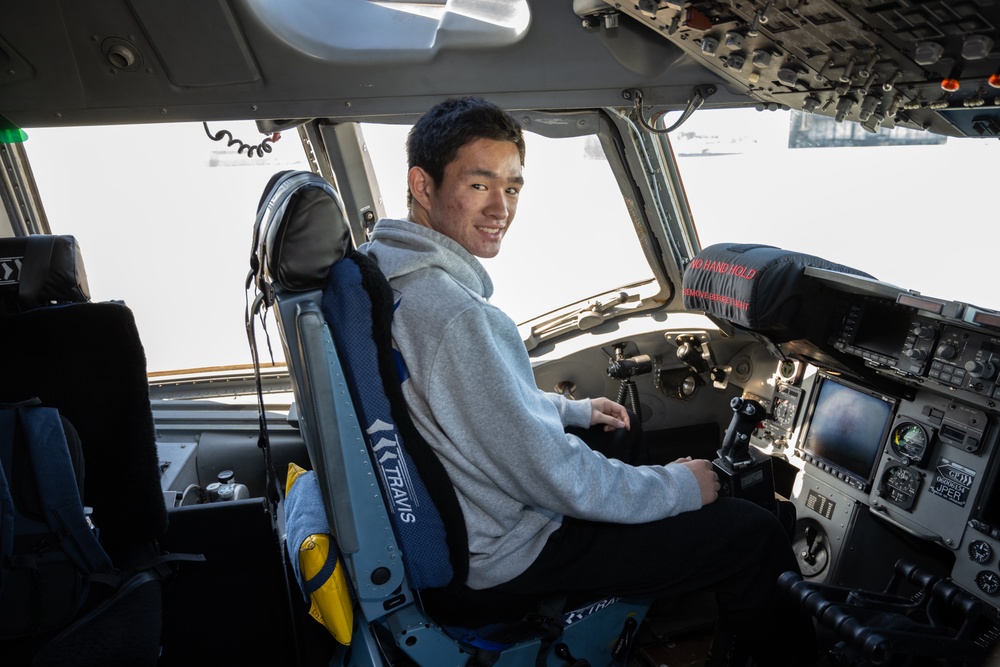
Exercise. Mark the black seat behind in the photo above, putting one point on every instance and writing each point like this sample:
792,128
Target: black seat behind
87,360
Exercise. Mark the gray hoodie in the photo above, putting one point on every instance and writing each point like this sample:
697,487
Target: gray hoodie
472,394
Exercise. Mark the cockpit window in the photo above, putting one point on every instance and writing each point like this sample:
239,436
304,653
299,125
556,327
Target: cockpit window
572,237
164,217
912,209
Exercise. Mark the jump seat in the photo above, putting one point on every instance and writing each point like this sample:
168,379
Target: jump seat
86,359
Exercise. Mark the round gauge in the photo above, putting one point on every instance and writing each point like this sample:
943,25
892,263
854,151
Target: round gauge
784,412
909,441
899,486
981,552
988,582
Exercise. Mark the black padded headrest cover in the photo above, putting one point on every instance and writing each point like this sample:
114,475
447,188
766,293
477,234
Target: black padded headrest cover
302,229
39,270
757,287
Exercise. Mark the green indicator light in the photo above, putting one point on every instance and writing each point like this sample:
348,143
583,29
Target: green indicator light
14,136
10,133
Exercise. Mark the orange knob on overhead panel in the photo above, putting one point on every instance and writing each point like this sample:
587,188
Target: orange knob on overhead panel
994,80
950,85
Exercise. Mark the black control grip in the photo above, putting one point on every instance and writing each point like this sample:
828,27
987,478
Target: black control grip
747,414
838,617
970,607
917,576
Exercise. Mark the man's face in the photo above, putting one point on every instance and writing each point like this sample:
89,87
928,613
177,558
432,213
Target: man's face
476,200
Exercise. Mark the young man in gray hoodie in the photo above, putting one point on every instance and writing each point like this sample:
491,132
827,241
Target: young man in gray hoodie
544,511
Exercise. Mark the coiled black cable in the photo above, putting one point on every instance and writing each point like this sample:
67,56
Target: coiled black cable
259,150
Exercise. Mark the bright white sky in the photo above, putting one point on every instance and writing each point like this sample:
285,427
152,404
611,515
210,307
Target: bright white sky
164,230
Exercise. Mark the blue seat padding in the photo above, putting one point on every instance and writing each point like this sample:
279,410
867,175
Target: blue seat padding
357,305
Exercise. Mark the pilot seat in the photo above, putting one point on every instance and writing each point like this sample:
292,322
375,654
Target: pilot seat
388,501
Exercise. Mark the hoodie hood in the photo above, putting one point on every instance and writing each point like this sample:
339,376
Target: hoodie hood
415,247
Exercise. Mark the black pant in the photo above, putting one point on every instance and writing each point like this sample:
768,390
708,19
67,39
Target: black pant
732,547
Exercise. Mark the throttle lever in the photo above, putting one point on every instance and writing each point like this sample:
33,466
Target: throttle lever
809,556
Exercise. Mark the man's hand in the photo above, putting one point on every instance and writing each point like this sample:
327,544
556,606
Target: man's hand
607,412
708,479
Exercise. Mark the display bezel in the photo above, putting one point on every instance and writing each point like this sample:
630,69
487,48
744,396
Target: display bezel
855,460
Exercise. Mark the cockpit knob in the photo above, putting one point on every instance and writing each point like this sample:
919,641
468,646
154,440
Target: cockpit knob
980,369
923,331
916,354
945,351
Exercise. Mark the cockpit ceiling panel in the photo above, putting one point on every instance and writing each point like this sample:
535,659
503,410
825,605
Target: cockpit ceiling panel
392,31
932,64
128,61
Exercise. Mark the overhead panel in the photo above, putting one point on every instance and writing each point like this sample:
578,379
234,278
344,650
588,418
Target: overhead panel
931,65
198,42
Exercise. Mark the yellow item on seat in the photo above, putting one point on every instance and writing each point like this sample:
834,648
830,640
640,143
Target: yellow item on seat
317,564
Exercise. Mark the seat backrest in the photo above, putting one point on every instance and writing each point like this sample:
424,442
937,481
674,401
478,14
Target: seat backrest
305,243
304,264
87,360
357,303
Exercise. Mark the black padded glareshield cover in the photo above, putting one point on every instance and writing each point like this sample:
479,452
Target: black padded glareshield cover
756,287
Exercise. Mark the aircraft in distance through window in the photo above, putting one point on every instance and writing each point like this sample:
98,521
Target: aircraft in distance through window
764,227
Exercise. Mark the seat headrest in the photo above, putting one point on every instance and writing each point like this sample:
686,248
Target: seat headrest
756,287
301,230
40,270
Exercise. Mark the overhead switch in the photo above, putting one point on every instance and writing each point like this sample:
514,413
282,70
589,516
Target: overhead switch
736,60
788,77
761,58
927,53
976,47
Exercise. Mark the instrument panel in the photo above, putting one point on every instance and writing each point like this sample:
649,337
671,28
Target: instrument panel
929,65
932,467
935,473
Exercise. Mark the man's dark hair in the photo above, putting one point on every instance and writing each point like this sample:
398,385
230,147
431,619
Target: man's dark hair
436,138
